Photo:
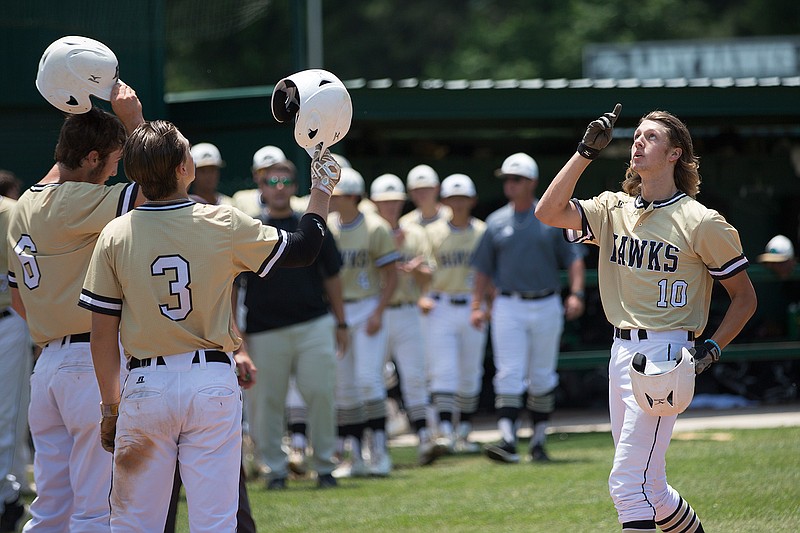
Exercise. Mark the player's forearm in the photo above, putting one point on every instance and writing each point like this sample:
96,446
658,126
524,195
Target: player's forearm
743,305
554,207
333,289
318,203
479,286
16,303
577,276
388,285
105,356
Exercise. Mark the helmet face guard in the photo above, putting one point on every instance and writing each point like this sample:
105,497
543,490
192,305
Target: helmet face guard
73,68
663,388
319,104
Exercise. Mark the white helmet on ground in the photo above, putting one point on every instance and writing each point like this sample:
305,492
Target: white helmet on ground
663,388
72,68
320,105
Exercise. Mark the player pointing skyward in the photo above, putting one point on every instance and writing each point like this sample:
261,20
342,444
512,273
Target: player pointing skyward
660,252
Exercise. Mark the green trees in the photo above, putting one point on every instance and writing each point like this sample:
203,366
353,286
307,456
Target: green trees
230,43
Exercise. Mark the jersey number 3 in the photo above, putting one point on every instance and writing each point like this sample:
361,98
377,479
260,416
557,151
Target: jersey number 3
178,286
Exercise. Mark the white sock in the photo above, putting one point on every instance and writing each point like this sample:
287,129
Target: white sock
299,441
506,427
379,441
445,427
539,433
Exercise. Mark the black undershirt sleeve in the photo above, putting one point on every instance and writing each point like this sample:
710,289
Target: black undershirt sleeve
303,245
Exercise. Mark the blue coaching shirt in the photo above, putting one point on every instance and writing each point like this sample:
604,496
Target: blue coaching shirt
521,254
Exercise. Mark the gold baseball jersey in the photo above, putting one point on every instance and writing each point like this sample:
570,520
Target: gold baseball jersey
452,251
6,209
168,270
366,244
412,242
50,241
415,216
249,201
658,261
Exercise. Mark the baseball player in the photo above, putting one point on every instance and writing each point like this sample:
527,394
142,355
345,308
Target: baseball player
250,200
406,346
51,236
369,279
15,350
162,276
455,346
422,183
660,252
522,257
207,163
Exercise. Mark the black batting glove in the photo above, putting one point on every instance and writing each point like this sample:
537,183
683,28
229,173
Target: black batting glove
598,134
705,355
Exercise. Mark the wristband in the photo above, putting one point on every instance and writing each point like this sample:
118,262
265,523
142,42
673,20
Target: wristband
109,410
587,151
714,343
341,325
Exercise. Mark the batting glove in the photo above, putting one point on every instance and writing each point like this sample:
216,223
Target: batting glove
108,426
705,355
598,134
325,171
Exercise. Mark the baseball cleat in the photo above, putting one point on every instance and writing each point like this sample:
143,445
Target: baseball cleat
278,483
326,481
465,446
446,443
428,451
381,465
13,516
503,452
297,462
538,455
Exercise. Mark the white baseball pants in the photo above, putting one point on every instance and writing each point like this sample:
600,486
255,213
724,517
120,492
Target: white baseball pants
15,353
455,349
184,412
526,335
638,480
71,469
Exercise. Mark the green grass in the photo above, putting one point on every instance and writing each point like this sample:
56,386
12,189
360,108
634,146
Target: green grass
737,481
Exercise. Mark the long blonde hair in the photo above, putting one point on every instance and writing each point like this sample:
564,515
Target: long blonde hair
687,168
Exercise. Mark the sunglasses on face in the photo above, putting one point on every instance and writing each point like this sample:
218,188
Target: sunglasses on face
275,180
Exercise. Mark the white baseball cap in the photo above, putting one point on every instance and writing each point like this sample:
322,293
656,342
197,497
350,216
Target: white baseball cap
779,249
387,187
518,164
350,183
457,185
422,176
206,155
267,156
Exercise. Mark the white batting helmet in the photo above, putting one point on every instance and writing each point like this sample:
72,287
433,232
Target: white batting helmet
320,105
72,68
663,388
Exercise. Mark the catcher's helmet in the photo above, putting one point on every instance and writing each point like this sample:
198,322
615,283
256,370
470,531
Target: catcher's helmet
663,388
72,68
320,105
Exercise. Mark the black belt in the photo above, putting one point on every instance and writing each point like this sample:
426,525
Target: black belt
399,305
453,301
212,356
625,334
529,295
5,314
71,339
